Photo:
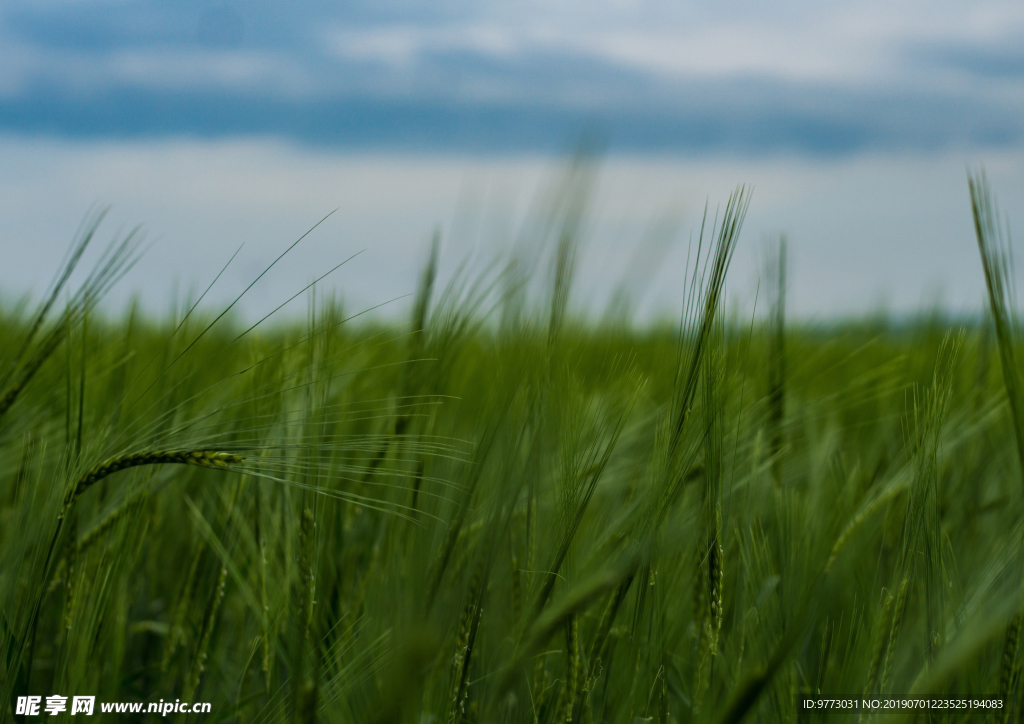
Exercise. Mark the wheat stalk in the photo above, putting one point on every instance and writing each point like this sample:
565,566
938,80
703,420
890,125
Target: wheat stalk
995,250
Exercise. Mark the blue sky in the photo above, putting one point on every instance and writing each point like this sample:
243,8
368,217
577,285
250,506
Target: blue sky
219,123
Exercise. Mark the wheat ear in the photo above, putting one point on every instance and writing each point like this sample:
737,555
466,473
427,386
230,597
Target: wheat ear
464,650
604,629
177,629
572,682
716,577
878,651
894,633
73,558
1007,676
538,688
265,632
881,636
104,526
517,590
304,680
204,642
865,511
202,458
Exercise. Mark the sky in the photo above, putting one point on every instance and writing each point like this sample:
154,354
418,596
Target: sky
216,124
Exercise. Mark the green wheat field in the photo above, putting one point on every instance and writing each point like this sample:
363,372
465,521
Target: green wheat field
501,512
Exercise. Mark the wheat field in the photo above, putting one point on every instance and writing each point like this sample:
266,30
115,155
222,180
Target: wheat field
501,512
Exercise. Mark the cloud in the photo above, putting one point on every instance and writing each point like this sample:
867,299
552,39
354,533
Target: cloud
839,77
30,70
405,44
995,63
